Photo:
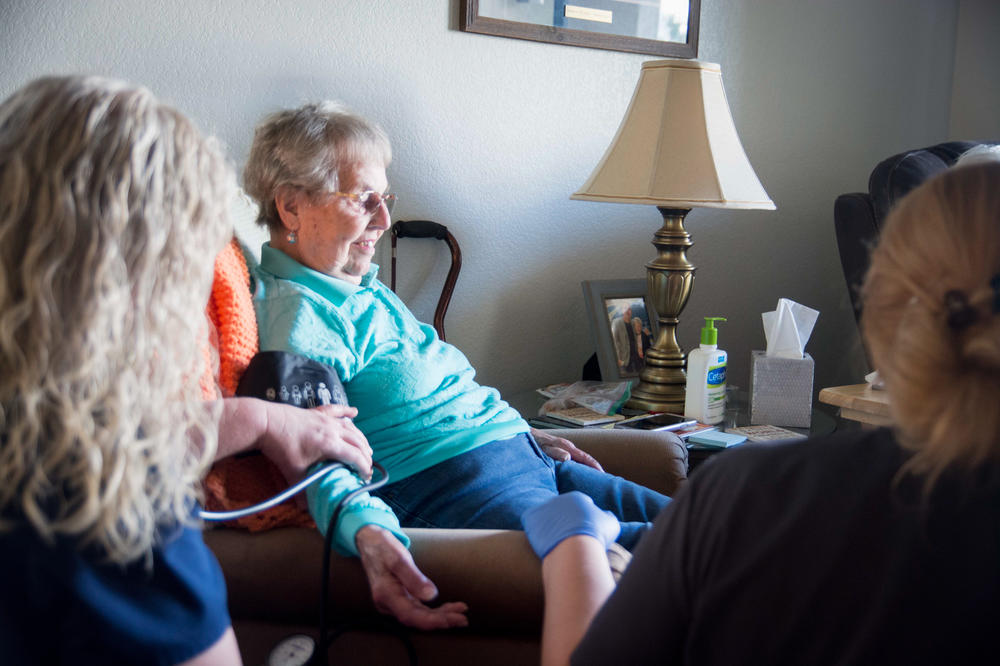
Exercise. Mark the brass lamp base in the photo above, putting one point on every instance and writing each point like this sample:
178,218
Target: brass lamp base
668,279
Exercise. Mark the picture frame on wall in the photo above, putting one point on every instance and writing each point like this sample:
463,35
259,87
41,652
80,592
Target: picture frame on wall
667,28
622,326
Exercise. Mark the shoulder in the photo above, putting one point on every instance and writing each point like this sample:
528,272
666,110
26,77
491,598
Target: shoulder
819,455
295,319
768,475
179,606
288,307
380,292
166,613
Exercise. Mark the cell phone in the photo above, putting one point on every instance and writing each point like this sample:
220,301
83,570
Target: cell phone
665,421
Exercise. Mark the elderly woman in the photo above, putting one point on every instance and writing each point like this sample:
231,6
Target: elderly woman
868,546
457,455
112,207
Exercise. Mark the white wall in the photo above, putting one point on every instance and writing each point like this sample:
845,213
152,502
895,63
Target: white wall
492,135
975,102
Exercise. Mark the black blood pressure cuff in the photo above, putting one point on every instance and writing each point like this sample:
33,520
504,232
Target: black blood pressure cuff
293,379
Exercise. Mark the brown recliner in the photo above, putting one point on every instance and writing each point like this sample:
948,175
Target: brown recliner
274,577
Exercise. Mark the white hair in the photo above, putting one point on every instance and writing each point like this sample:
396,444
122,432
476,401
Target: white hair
981,154
306,148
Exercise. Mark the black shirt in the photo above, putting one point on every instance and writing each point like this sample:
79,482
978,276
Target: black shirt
810,553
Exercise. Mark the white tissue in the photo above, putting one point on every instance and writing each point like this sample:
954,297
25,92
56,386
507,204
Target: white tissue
875,381
788,328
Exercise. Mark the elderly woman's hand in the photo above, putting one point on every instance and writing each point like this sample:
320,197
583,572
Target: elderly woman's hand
398,586
295,438
562,449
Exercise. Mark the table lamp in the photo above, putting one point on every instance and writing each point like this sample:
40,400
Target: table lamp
676,149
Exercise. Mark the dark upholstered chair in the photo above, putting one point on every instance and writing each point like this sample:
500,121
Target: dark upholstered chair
858,217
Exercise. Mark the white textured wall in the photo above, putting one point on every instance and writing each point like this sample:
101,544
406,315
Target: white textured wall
975,102
492,135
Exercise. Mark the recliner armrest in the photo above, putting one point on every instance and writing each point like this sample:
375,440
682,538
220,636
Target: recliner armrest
657,460
275,576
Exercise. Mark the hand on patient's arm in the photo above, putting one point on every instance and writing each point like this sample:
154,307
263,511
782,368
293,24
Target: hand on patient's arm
296,438
398,587
571,534
559,448
291,437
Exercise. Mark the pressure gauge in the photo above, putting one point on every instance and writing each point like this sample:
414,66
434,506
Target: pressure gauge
296,650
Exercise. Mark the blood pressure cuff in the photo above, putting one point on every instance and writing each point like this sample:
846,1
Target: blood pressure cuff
248,478
296,380
292,379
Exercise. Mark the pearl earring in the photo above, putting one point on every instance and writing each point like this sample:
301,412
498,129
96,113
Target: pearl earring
292,237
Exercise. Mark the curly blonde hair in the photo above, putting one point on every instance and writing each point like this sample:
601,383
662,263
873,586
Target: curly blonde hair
931,321
112,208
306,148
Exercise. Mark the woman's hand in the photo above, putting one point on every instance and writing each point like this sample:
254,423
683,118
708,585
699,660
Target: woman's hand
295,438
398,586
562,449
570,514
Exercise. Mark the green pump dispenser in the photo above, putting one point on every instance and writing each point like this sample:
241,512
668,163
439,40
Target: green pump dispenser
709,335
705,392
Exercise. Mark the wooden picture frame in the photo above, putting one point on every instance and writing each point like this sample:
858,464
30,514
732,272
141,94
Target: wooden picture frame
654,27
605,301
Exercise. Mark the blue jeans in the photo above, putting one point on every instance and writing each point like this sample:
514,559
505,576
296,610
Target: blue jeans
490,487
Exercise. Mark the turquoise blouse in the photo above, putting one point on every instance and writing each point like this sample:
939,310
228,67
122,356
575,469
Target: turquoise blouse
418,403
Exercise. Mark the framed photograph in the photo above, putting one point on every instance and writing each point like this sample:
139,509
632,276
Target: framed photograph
658,27
622,325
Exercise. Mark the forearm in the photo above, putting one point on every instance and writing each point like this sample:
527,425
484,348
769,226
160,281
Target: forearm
357,513
242,424
577,582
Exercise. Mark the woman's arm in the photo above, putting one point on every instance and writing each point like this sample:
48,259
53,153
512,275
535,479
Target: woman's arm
366,527
571,536
224,651
577,582
291,437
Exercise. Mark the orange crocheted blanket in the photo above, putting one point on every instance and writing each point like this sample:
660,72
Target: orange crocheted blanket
239,481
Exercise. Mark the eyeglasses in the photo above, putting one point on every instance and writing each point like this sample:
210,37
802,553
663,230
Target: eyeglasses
370,200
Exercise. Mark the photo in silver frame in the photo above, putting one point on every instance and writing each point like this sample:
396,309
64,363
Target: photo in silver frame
605,302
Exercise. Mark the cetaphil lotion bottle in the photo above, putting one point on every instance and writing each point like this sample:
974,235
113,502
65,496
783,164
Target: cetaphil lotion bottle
705,397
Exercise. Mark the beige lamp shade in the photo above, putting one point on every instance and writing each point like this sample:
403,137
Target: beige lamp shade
677,146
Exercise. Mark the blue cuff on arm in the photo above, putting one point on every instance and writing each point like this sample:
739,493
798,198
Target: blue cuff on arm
324,496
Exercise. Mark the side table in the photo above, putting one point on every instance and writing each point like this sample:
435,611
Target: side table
738,414
859,402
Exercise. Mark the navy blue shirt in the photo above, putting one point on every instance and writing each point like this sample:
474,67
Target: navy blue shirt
59,605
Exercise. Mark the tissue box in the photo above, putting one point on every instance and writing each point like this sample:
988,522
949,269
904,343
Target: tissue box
781,390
